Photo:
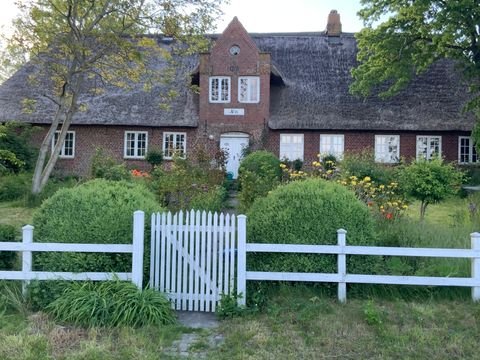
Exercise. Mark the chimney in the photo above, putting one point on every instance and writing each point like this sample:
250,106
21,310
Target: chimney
334,26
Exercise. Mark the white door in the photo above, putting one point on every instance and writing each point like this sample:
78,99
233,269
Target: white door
233,144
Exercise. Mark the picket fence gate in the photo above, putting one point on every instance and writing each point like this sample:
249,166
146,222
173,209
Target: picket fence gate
193,257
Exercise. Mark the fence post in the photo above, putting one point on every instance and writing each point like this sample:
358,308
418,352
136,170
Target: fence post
27,238
342,265
242,259
475,241
137,254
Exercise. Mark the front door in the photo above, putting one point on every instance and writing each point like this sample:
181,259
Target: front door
233,144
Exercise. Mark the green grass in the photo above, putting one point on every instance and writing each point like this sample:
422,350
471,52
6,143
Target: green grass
298,324
14,213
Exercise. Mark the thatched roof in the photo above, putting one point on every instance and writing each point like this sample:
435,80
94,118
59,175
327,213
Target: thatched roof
309,90
115,106
316,71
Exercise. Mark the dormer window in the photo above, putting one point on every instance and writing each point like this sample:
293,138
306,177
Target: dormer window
249,89
219,89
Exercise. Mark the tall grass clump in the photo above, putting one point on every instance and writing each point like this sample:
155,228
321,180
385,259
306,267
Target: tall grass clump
111,304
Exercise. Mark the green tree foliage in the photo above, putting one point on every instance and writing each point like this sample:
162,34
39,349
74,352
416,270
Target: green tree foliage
76,40
16,152
430,181
403,38
259,173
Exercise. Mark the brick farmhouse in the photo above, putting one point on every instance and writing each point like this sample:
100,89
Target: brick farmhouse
284,92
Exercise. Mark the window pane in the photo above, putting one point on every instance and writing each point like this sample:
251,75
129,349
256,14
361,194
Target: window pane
291,147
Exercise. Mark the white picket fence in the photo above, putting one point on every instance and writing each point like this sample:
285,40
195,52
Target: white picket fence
27,246
342,277
193,257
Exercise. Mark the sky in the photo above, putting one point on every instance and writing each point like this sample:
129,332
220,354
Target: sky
264,15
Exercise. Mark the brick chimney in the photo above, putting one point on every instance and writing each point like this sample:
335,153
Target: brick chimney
334,26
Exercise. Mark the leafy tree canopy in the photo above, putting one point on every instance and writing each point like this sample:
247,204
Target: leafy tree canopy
78,42
403,38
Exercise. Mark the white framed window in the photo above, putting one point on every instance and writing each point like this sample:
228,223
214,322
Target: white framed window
332,144
135,146
429,147
249,89
387,148
68,148
466,150
291,146
219,89
174,143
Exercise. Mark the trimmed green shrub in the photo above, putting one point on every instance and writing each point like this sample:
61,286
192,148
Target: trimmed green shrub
99,211
259,173
7,258
111,303
154,157
309,212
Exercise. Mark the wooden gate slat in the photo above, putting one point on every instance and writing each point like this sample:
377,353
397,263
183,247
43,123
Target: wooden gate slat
193,258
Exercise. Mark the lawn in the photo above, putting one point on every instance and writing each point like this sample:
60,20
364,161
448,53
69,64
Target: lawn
297,322
15,214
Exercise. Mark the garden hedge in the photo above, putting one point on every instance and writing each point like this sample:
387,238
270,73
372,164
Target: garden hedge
309,212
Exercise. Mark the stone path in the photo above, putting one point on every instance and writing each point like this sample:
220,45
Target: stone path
204,335
204,326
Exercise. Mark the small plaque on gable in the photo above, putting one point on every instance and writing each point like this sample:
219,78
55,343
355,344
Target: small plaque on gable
233,112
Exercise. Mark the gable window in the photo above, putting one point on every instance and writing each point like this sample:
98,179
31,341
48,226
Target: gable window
249,89
332,145
387,148
68,148
219,89
174,144
135,146
291,146
429,147
466,150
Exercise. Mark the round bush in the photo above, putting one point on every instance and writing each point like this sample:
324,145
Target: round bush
99,211
263,163
309,212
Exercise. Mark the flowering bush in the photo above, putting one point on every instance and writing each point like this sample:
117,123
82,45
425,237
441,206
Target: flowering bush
139,174
385,199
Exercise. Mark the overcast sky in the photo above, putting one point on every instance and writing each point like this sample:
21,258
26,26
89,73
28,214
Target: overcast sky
267,15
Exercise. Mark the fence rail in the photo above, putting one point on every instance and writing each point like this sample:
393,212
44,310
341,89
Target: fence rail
342,277
27,246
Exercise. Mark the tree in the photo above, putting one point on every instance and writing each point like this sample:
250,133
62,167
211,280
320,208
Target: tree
414,35
430,181
72,42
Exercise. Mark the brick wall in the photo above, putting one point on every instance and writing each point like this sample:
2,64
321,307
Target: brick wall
357,141
111,140
249,62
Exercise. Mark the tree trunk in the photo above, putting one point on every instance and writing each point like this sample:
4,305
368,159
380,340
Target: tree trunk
42,172
423,208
